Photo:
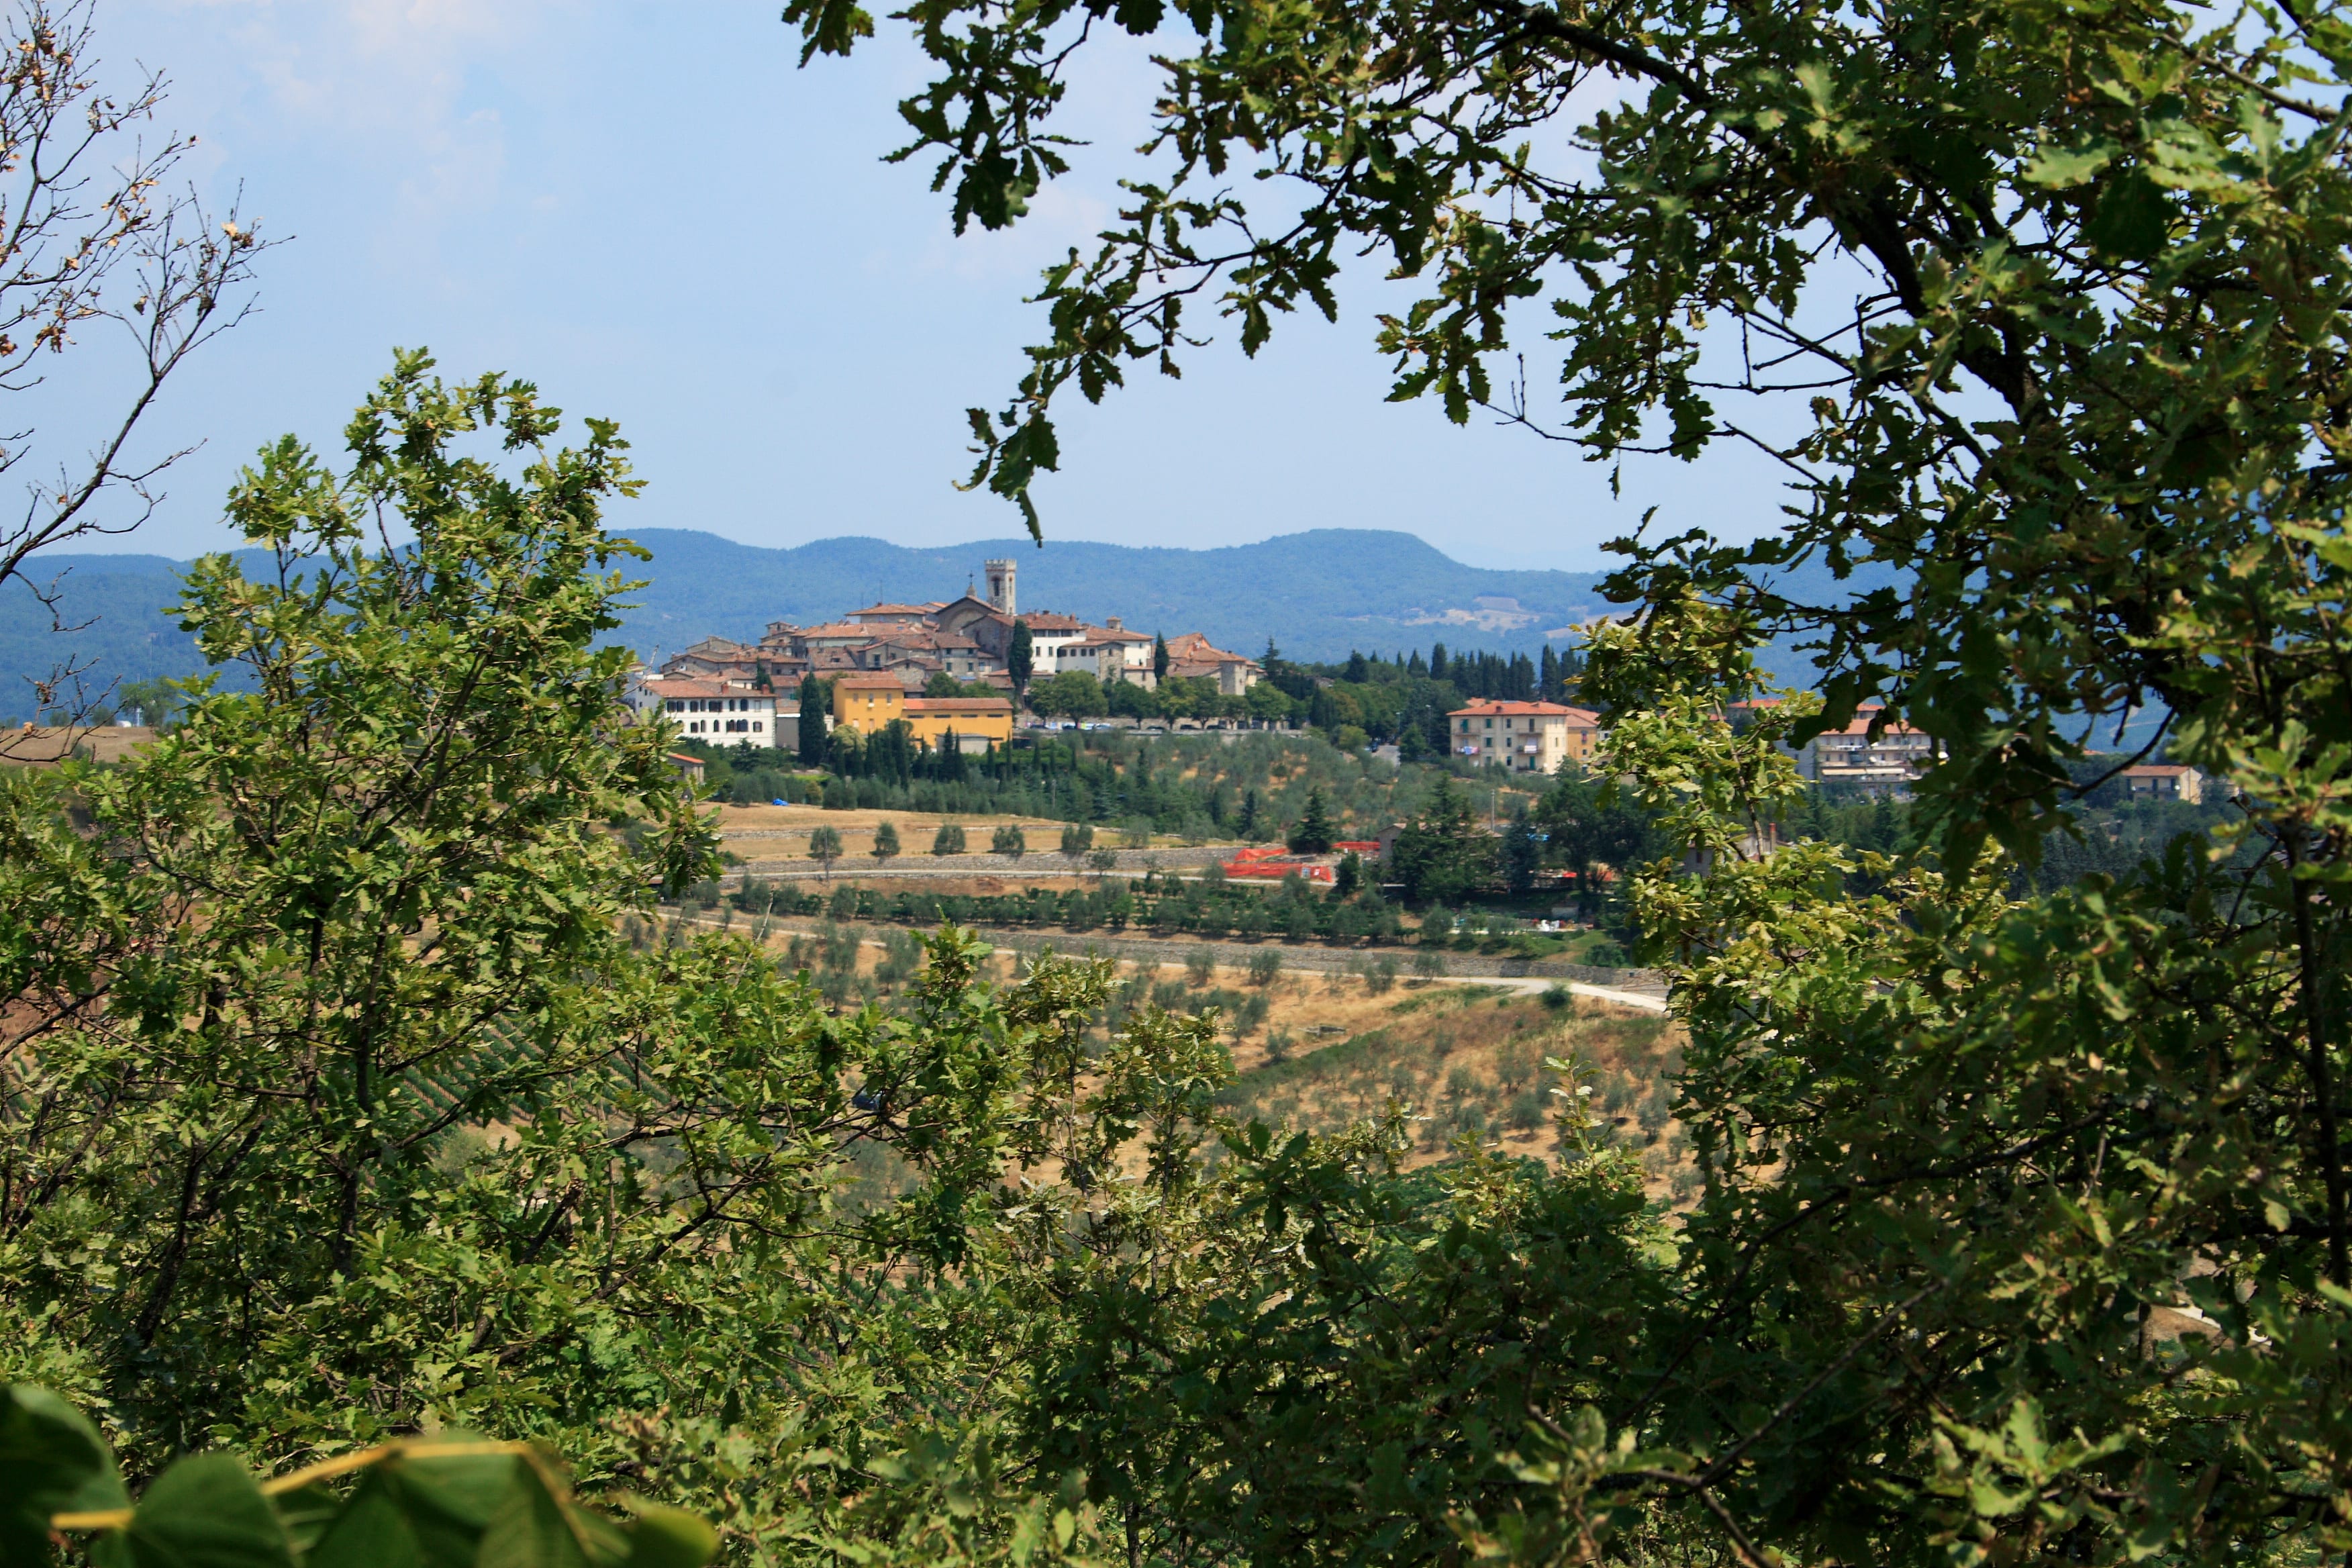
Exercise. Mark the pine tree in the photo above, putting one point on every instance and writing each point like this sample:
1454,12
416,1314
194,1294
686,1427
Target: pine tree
1245,826
1437,661
1314,832
1548,676
1158,658
812,736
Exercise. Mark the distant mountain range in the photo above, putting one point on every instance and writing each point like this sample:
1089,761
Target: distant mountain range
1317,595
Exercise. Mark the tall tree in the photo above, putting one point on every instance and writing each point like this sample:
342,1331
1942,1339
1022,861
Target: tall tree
1019,659
1159,658
1442,856
1314,835
2044,310
812,722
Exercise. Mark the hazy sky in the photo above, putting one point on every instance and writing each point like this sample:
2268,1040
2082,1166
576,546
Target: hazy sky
652,212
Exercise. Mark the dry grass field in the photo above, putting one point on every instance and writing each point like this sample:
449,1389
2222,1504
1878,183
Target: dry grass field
105,743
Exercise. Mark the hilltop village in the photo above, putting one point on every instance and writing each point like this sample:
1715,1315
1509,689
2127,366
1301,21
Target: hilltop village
956,668
965,674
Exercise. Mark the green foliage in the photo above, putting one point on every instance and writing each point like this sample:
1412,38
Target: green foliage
815,701
1077,839
1442,855
825,844
1009,840
446,1501
885,839
1313,834
949,839
353,1092
152,702
1019,656
1072,694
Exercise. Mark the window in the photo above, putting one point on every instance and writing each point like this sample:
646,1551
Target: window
756,727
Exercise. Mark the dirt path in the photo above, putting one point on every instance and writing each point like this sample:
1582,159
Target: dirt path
1303,960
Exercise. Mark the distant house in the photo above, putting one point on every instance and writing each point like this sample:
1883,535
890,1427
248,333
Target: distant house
1525,737
892,614
2164,781
724,713
1193,656
1884,764
689,764
715,659
1108,652
870,704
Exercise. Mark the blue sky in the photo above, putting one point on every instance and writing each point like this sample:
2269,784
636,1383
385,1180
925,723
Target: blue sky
651,211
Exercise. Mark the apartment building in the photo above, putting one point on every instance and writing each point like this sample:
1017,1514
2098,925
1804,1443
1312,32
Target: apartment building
725,713
1525,737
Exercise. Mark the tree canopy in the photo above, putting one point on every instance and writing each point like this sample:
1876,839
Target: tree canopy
2026,1229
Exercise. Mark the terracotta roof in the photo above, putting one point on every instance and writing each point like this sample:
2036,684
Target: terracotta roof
2157,771
892,610
1049,621
877,682
1194,647
841,629
1490,708
1861,723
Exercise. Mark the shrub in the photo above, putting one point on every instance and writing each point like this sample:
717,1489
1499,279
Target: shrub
1265,966
1201,964
948,840
1009,840
1429,963
1077,839
1383,975
885,839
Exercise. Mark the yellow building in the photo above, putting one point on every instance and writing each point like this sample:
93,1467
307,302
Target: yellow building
1526,737
867,703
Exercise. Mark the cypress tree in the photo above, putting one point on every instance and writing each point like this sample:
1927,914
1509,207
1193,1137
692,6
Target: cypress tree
1017,661
812,736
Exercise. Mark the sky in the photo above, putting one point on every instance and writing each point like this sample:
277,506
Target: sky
655,213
